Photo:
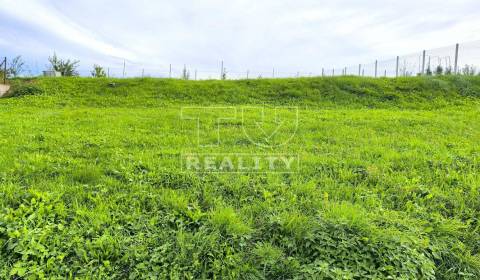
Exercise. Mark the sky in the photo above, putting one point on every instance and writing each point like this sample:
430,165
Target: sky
258,36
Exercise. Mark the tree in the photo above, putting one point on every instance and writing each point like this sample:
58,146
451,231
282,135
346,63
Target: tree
98,71
67,67
439,70
448,70
185,73
16,67
224,73
429,71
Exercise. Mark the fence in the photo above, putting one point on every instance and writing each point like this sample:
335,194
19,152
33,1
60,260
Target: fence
455,59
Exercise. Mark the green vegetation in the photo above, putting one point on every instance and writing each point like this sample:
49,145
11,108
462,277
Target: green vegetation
15,67
388,187
66,67
98,71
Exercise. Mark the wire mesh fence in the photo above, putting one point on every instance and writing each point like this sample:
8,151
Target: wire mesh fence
454,59
194,74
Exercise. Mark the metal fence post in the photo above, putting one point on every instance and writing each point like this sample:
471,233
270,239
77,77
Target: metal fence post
396,69
423,62
376,68
359,69
221,72
170,72
5,71
456,59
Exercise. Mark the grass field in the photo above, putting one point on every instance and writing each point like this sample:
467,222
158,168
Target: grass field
387,186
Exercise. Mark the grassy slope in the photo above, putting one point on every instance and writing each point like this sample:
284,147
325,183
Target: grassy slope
351,92
388,185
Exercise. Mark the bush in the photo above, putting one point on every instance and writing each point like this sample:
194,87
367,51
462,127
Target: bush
98,71
67,67
22,89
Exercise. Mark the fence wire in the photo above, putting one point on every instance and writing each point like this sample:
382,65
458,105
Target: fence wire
458,58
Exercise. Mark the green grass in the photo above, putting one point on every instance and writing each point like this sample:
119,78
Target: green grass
388,186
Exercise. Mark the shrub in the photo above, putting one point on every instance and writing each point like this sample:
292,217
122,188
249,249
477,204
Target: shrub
98,71
22,89
469,70
185,73
67,67
439,70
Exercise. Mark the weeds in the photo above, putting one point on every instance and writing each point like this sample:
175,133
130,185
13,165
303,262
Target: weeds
91,186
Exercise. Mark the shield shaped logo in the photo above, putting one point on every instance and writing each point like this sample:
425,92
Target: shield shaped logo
270,127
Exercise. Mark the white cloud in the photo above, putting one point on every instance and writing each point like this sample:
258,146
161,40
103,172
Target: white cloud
302,35
40,15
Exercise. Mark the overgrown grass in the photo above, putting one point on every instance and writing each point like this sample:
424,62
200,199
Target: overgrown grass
388,187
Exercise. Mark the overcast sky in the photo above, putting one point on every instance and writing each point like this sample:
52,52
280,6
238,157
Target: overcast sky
290,36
